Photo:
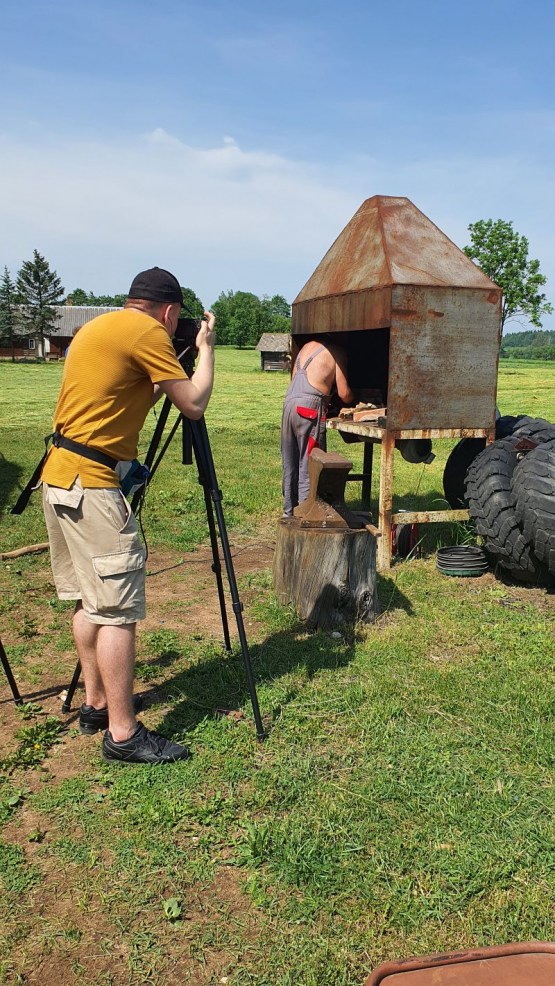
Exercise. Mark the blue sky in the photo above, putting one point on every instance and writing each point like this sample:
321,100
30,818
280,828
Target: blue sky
231,143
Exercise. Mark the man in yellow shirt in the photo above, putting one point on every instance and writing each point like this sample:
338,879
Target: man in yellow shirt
116,366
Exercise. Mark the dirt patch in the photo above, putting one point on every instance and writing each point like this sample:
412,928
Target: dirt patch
184,589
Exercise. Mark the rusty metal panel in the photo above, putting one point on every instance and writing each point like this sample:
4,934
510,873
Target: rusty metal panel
444,350
369,309
516,964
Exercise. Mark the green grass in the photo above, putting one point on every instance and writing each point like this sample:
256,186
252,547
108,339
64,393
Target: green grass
403,802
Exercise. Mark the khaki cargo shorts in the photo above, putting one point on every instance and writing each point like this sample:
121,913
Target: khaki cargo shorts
95,552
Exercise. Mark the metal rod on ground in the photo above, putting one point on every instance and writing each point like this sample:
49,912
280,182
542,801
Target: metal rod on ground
8,671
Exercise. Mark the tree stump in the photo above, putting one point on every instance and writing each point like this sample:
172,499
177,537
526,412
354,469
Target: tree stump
325,558
328,575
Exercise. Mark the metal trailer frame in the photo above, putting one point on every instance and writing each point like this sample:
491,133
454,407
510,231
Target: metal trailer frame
371,435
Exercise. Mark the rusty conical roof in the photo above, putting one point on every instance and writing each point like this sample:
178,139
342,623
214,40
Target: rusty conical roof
390,242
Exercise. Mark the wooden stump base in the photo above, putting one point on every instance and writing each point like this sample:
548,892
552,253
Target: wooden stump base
328,575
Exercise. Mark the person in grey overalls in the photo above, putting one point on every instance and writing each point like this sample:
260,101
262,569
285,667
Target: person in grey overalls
303,425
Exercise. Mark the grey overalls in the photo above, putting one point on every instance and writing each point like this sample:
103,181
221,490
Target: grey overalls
302,427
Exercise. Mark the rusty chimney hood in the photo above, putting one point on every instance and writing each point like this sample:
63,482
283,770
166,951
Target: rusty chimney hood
389,246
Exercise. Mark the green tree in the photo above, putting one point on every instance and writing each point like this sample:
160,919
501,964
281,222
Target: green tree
277,312
88,299
222,311
279,306
192,304
8,311
502,254
39,290
242,317
247,319
79,297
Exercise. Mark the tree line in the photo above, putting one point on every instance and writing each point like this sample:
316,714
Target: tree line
242,317
531,344
28,306
28,303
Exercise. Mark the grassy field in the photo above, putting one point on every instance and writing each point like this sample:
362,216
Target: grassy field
403,802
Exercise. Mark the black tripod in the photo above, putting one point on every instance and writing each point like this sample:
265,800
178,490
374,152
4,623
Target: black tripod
195,440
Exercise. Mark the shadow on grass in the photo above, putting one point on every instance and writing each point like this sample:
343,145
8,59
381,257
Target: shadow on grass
10,482
390,596
295,653
219,684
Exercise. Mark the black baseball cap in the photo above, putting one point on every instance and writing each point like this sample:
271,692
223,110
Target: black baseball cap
156,284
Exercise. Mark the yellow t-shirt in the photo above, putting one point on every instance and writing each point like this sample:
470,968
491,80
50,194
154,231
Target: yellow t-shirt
106,393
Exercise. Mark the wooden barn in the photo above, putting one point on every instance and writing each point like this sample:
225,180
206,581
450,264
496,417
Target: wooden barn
275,351
70,318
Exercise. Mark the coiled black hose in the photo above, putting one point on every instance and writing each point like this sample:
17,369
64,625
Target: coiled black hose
462,560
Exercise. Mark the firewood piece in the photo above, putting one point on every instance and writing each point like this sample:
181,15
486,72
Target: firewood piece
369,414
30,549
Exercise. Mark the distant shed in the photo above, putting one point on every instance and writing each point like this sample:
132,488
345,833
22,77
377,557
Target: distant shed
275,351
69,319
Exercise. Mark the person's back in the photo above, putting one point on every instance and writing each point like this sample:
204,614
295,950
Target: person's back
319,370
324,364
106,391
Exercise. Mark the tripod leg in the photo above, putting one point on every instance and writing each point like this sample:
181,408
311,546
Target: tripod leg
203,452
11,680
216,565
66,706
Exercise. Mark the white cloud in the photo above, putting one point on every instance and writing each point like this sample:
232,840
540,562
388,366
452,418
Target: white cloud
232,218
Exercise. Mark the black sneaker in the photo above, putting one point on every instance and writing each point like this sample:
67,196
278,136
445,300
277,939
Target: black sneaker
93,720
143,747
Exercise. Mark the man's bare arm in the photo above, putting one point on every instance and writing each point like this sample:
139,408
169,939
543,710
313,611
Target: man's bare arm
191,396
341,382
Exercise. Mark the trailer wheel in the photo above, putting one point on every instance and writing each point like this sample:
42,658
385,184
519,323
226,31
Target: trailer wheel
463,455
491,506
456,467
534,498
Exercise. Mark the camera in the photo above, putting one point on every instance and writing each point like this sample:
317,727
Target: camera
184,342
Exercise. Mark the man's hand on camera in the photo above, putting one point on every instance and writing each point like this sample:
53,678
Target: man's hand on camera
207,334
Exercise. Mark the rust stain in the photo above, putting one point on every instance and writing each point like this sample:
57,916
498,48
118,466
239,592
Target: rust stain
405,313
434,314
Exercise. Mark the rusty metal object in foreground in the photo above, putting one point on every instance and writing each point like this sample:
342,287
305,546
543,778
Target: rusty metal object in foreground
325,506
517,964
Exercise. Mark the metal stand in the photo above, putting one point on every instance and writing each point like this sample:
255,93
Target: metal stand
373,433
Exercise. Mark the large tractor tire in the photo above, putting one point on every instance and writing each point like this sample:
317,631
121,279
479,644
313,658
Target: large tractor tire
537,429
534,499
491,507
464,453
